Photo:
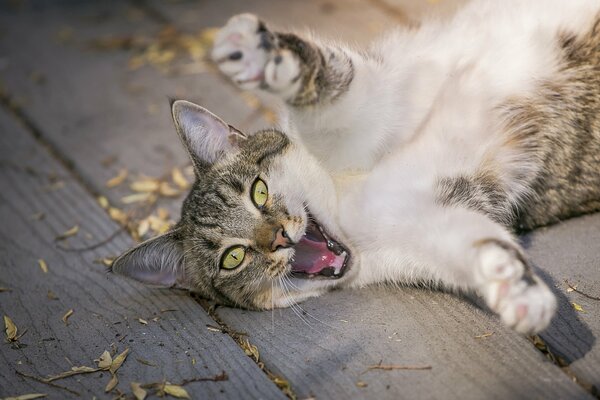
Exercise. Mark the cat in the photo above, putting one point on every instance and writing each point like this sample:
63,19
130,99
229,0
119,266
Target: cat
414,161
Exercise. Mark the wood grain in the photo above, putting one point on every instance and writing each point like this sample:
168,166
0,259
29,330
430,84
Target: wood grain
106,308
91,107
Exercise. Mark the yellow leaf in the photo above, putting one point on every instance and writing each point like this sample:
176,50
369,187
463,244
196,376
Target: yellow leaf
11,329
179,178
361,384
103,201
68,233
118,361
143,227
43,265
145,185
105,360
117,215
118,179
138,392
142,321
136,198
66,316
111,384
165,189
176,391
577,307
30,396
162,213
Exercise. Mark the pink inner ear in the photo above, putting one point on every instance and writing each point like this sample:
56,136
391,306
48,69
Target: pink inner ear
164,277
206,135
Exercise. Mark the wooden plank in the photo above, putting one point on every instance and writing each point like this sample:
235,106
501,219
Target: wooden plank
115,121
570,255
106,308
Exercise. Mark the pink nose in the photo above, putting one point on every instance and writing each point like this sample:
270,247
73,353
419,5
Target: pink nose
281,240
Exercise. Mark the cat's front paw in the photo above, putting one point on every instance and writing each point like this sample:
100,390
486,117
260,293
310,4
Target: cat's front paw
511,289
247,52
242,49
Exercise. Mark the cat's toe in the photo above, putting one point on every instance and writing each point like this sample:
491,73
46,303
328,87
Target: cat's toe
511,289
241,50
530,310
282,73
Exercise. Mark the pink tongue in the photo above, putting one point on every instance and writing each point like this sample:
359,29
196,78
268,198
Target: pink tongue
311,257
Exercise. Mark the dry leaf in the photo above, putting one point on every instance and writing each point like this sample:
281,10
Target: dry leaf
118,179
51,295
68,233
30,396
38,216
73,371
577,307
117,215
250,349
105,360
112,383
10,329
103,201
142,321
162,213
145,185
179,178
146,362
484,335
143,227
138,392
5,289
43,265
136,198
176,391
361,384
106,261
118,361
165,189
67,316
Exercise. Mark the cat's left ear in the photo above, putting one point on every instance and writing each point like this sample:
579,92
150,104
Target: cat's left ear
205,136
157,261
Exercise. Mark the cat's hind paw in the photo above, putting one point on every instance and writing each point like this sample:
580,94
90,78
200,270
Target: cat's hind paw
511,289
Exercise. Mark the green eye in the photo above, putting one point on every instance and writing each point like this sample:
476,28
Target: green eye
259,192
233,257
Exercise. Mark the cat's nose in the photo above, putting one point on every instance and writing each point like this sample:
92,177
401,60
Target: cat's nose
281,240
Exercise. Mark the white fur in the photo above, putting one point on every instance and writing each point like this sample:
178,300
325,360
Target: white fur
422,105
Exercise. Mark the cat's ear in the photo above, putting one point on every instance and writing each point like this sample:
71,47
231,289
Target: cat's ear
205,136
157,261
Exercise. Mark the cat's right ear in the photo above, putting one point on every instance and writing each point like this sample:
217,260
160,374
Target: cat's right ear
157,261
205,136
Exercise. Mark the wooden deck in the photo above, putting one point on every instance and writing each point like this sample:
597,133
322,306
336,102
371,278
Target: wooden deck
83,96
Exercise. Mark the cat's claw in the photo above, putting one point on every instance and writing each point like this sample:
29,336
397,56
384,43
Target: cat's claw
510,288
247,53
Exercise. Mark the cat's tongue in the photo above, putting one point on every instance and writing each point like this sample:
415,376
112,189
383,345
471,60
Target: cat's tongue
313,257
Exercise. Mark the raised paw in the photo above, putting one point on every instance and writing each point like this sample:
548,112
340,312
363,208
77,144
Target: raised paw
248,53
511,289
242,49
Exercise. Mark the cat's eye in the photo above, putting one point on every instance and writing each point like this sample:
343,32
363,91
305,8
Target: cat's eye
259,193
233,257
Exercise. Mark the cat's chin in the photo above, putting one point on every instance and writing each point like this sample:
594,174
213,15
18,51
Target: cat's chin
318,255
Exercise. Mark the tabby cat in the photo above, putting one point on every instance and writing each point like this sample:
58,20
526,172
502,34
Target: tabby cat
413,161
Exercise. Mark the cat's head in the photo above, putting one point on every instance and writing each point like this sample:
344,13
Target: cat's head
257,229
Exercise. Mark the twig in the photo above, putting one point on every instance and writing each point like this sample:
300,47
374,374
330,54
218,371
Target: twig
390,367
573,288
93,246
42,380
217,378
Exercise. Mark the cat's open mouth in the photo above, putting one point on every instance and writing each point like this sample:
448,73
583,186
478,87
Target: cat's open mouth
318,255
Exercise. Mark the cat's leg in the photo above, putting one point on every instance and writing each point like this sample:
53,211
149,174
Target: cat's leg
299,71
462,250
